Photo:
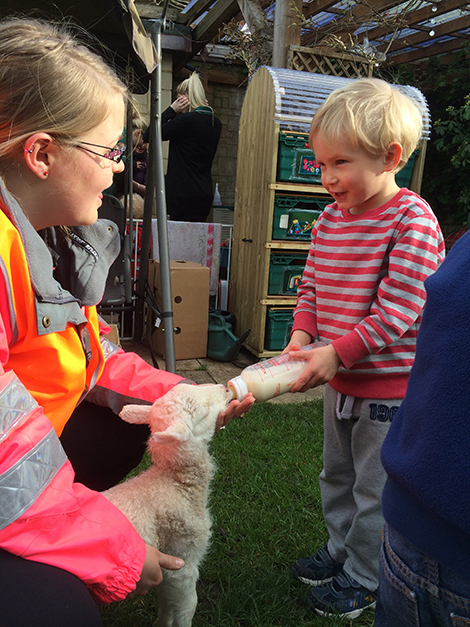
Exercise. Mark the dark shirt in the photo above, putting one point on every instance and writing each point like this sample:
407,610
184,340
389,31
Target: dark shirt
427,451
193,139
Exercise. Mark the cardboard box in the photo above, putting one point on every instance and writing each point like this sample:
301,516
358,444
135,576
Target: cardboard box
190,304
113,335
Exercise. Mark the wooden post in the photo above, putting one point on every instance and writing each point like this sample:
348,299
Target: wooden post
285,34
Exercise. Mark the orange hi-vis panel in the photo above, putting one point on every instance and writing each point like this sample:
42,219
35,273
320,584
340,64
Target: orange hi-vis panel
53,366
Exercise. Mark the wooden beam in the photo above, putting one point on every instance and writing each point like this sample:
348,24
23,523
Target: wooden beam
198,8
222,11
226,77
358,11
174,42
420,15
153,12
425,53
316,7
442,30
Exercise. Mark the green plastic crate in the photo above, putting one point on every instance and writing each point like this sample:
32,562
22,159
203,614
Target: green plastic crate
279,321
403,177
296,162
294,216
285,272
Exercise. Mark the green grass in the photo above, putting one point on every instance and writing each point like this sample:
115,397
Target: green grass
266,510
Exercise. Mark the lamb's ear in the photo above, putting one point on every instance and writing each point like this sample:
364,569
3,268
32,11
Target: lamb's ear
136,414
176,432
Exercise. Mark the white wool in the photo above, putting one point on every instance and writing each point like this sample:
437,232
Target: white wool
167,504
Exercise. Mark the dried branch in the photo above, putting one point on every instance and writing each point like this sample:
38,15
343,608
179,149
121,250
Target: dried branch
392,23
253,48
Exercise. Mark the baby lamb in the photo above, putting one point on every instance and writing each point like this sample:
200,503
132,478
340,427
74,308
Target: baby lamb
167,504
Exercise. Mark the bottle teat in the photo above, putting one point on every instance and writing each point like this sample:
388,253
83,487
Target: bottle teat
238,387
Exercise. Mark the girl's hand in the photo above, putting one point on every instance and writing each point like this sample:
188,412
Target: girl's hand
151,575
234,410
323,364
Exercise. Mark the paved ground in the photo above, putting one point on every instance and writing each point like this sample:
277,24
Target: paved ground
210,371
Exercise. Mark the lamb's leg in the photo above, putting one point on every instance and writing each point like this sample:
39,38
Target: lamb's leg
177,598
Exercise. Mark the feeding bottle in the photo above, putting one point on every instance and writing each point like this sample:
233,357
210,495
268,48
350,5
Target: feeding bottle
271,377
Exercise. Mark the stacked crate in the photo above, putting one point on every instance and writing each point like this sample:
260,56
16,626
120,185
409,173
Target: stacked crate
294,215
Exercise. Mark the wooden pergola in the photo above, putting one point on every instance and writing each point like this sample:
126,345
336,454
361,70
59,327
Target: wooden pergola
390,31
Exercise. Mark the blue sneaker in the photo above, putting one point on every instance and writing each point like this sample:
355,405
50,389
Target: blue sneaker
343,597
316,569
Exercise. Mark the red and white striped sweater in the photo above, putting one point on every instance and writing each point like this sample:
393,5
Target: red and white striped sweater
362,290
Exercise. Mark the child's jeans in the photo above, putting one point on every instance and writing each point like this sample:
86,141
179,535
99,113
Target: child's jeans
417,591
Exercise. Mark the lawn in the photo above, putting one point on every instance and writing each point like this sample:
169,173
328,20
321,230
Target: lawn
266,510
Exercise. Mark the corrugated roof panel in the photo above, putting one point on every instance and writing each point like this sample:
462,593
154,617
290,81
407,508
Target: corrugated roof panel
322,19
405,6
446,17
433,41
299,94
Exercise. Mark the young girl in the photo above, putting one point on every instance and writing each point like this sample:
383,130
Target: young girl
61,543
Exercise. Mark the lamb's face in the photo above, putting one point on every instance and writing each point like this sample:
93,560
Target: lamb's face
191,408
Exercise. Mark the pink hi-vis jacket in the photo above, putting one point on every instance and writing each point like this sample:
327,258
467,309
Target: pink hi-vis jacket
51,357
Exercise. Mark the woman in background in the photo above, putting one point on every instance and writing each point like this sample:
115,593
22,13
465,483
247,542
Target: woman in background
193,131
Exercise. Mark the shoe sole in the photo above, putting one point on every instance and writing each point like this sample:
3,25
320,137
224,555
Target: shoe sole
349,615
313,582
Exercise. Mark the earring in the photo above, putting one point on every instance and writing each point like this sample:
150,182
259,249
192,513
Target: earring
30,150
46,172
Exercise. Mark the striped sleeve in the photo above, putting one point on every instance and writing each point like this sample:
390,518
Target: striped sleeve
363,280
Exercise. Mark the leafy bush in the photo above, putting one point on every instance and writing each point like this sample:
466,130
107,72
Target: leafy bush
453,141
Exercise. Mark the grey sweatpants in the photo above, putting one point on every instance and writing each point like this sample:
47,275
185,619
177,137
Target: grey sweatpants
352,480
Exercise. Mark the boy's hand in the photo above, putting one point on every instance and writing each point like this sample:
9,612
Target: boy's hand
323,363
298,339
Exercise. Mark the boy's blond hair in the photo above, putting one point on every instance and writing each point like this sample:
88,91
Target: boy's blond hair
372,114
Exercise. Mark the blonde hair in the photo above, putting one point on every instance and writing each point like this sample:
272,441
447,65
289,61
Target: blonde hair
49,82
372,114
194,89
139,123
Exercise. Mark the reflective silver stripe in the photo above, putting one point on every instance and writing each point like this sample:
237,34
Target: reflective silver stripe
109,348
21,484
15,403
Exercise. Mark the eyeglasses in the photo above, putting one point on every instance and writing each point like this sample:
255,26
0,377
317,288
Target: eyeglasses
113,154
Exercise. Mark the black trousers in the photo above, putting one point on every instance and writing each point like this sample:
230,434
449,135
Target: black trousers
38,595
102,449
188,209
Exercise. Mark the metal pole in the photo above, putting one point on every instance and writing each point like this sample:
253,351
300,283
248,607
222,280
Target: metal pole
157,190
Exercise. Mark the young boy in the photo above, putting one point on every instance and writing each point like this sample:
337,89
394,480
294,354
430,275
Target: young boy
362,293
